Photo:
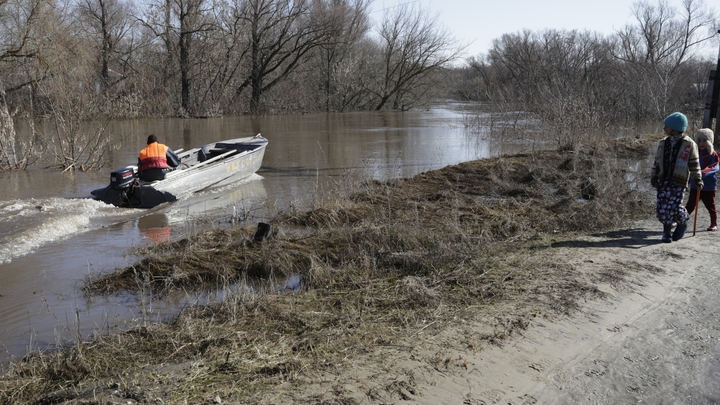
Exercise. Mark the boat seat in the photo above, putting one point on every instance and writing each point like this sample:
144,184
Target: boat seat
202,154
236,146
206,154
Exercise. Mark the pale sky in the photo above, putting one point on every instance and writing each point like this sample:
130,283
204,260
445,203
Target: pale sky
478,22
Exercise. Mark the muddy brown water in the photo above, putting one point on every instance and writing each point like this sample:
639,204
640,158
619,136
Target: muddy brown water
52,237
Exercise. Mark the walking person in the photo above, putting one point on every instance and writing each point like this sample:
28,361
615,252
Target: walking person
676,160
709,164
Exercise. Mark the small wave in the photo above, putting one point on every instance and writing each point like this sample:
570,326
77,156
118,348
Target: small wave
219,199
28,224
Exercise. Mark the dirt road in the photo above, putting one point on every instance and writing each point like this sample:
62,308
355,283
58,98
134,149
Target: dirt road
656,341
654,338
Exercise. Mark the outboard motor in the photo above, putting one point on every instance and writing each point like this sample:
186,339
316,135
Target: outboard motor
125,190
122,179
120,189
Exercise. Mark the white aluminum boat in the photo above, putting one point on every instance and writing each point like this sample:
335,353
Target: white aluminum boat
199,168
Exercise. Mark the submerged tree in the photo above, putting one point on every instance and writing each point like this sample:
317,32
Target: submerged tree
278,35
26,59
49,68
412,46
73,133
15,153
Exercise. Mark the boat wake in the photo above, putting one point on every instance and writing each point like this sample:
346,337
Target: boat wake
220,200
27,225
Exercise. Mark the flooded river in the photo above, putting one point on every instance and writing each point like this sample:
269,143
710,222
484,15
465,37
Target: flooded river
52,237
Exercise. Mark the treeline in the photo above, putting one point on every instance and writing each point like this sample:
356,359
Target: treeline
68,62
218,57
572,82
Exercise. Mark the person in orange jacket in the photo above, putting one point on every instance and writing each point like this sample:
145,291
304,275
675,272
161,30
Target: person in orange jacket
156,160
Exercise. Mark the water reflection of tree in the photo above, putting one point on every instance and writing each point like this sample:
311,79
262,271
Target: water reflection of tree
15,153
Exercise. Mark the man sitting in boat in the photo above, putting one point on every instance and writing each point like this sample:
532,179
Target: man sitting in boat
156,160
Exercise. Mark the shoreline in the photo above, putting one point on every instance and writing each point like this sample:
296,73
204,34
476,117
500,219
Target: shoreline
414,289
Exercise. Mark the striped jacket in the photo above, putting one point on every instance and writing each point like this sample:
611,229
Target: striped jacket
686,166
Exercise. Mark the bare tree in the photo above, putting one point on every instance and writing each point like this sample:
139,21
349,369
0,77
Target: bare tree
353,77
25,60
413,46
108,22
562,78
192,22
158,20
26,55
347,23
54,73
70,121
73,132
661,42
477,80
178,23
15,153
278,35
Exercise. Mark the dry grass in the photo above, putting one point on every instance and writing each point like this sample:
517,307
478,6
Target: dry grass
378,265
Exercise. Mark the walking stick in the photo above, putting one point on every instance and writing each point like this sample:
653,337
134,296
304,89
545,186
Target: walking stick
697,208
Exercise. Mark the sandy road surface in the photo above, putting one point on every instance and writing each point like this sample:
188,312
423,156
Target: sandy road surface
656,343
653,339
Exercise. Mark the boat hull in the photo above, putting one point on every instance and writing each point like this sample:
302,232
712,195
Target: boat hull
200,168
237,166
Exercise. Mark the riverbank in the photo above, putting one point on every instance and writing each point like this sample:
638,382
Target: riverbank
399,279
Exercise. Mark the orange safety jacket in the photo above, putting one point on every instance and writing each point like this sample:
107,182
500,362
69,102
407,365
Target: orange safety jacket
153,157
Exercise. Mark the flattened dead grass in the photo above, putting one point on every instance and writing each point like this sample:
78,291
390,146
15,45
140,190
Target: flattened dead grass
415,226
378,265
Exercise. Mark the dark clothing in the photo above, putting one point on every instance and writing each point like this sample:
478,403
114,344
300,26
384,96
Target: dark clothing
708,199
709,166
154,174
676,160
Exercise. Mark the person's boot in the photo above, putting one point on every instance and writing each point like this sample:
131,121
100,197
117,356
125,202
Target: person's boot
666,233
679,231
713,222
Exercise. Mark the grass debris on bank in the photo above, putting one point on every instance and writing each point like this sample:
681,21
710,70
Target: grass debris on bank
468,242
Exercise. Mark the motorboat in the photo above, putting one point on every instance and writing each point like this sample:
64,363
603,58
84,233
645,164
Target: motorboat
199,169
